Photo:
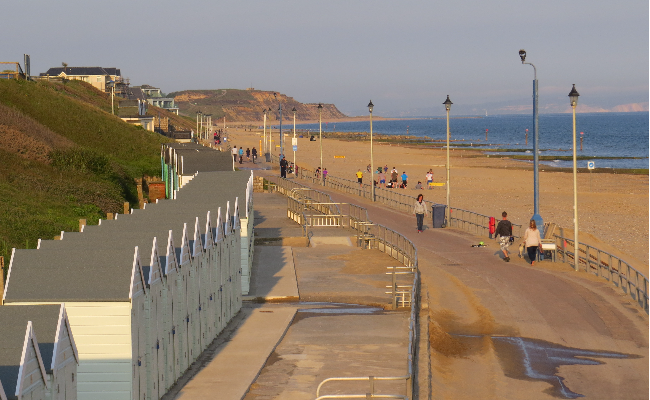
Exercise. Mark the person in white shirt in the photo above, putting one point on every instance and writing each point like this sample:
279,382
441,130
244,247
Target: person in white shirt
430,179
533,241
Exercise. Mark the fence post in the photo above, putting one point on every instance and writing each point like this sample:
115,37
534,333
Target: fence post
394,287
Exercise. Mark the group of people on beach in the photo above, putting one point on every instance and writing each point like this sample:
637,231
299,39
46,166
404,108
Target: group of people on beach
390,181
238,154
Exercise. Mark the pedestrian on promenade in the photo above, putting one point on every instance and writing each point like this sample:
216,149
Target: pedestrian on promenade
382,179
360,177
324,174
393,176
404,179
430,179
317,173
283,167
504,233
241,155
254,153
234,153
533,241
420,210
248,154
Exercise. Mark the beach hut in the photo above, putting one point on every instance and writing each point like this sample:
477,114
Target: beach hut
22,373
139,315
22,355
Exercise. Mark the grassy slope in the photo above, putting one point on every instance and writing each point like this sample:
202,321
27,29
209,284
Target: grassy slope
40,199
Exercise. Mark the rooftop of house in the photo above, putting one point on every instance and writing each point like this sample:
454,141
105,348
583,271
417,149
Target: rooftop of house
70,71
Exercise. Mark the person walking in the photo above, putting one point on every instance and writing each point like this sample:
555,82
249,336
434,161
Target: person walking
360,177
248,154
393,176
404,179
385,168
420,210
241,155
533,241
504,233
324,174
254,154
234,153
382,179
283,167
430,179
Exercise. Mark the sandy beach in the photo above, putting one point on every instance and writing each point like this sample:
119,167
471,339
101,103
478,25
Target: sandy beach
612,208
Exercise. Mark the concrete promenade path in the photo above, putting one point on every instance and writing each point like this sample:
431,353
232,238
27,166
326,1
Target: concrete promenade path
512,331
312,313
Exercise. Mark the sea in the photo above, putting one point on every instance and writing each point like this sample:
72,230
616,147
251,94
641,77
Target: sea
609,140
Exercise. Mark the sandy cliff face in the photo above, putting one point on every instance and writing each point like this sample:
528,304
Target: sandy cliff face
249,105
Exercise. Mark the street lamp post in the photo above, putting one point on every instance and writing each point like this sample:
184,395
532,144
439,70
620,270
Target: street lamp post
320,134
281,138
448,104
269,139
264,134
295,171
573,98
536,216
372,163
198,132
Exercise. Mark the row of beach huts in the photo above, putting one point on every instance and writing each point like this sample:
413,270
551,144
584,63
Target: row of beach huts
121,309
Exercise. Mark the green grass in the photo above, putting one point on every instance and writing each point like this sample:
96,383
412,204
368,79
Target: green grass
93,177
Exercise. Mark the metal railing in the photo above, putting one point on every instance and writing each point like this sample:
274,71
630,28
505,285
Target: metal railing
476,223
371,387
371,235
606,265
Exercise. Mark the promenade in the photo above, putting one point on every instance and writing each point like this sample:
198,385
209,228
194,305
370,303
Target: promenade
496,330
312,313
509,330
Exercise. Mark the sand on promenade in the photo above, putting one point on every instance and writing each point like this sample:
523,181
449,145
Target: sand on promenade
612,208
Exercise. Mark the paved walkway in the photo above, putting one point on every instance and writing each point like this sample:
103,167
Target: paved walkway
284,350
510,331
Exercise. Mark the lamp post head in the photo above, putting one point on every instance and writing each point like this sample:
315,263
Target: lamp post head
275,95
522,54
294,110
320,107
447,104
370,106
573,96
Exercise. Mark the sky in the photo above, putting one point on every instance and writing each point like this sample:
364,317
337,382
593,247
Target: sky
405,56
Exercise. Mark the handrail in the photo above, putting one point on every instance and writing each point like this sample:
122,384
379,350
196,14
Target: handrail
597,261
371,380
384,239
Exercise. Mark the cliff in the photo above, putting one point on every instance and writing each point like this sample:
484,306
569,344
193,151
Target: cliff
248,105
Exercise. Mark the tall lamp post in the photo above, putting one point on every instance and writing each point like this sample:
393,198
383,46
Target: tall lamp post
269,139
448,104
112,96
320,134
198,132
264,134
573,99
372,163
538,219
295,171
281,138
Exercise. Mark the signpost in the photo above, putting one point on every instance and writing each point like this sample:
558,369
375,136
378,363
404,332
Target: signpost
590,166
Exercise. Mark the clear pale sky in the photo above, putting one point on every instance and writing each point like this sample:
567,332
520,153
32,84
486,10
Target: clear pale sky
404,55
